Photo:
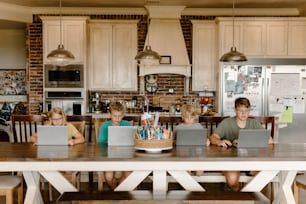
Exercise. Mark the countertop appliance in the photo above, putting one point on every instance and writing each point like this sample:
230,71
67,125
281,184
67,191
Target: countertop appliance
274,87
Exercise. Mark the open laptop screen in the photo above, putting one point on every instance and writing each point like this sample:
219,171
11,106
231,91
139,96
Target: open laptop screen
253,138
121,135
191,136
52,135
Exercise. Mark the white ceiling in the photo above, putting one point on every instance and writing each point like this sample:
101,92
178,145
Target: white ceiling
140,3
298,5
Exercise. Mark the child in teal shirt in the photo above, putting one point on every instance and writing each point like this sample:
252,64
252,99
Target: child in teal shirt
117,112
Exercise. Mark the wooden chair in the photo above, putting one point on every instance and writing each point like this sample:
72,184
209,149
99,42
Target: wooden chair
300,182
24,126
211,122
9,184
169,122
135,120
88,124
268,122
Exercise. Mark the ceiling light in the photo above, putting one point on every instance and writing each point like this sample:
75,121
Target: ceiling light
60,56
233,55
148,56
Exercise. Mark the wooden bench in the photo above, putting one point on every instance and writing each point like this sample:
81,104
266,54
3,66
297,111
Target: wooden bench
172,197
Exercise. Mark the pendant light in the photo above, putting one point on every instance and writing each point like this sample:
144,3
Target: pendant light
233,55
148,56
60,56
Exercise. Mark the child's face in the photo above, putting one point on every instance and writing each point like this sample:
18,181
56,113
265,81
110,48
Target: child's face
56,119
242,112
116,117
188,119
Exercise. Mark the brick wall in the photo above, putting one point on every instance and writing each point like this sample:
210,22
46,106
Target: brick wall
35,60
34,65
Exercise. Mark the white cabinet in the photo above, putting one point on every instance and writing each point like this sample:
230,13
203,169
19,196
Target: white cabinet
112,48
297,38
254,38
73,33
226,36
204,60
264,37
277,38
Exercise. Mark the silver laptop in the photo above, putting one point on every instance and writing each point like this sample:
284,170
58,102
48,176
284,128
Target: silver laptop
121,135
191,136
53,152
52,135
253,138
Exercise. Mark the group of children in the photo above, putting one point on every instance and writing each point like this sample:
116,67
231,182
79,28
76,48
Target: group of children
224,136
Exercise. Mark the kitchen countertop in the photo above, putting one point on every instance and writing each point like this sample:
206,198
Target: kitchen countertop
106,115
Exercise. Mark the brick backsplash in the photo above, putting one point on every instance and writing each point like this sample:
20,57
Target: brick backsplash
34,65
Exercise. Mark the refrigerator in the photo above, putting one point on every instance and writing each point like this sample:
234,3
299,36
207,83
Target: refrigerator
274,87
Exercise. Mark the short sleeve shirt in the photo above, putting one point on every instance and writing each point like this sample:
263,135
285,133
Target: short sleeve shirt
72,131
229,130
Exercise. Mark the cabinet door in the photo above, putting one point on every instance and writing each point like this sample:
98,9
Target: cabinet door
204,59
74,39
51,37
113,47
100,60
124,68
73,36
226,36
297,39
277,38
254,38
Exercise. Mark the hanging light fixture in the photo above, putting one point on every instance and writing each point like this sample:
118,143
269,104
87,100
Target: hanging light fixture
148,56
60,56
233,55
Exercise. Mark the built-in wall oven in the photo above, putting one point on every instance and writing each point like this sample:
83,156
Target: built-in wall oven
72,102
70,76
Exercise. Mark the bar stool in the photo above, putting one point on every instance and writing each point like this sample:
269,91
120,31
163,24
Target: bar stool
300,182
8,184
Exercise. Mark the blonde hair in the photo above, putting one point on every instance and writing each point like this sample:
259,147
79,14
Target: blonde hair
57,110
188,110
116,106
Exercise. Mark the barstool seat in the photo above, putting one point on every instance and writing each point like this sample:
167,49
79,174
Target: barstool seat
8,184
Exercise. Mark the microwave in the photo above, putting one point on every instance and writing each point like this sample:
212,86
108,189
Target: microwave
70,76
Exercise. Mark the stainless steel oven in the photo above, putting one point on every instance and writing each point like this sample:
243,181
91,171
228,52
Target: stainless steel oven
72,102
70,76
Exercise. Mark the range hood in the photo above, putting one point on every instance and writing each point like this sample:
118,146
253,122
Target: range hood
165,36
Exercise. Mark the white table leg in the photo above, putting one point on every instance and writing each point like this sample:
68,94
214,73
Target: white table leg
286,179
160,184
186,180
259,181
33,195
59,182
132,181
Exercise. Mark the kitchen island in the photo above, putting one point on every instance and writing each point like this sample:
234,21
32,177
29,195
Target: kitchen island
282,160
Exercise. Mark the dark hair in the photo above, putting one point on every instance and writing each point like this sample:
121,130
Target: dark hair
242,101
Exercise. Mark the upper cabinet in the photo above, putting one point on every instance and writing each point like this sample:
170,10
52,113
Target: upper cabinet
297,38
112,49
204,56
264,37
73,31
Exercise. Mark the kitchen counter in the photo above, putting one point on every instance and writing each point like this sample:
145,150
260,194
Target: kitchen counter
106,115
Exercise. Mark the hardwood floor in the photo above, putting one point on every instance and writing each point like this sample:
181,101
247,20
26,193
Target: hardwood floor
225,192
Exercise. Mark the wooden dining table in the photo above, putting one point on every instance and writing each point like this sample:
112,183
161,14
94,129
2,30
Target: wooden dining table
281,160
